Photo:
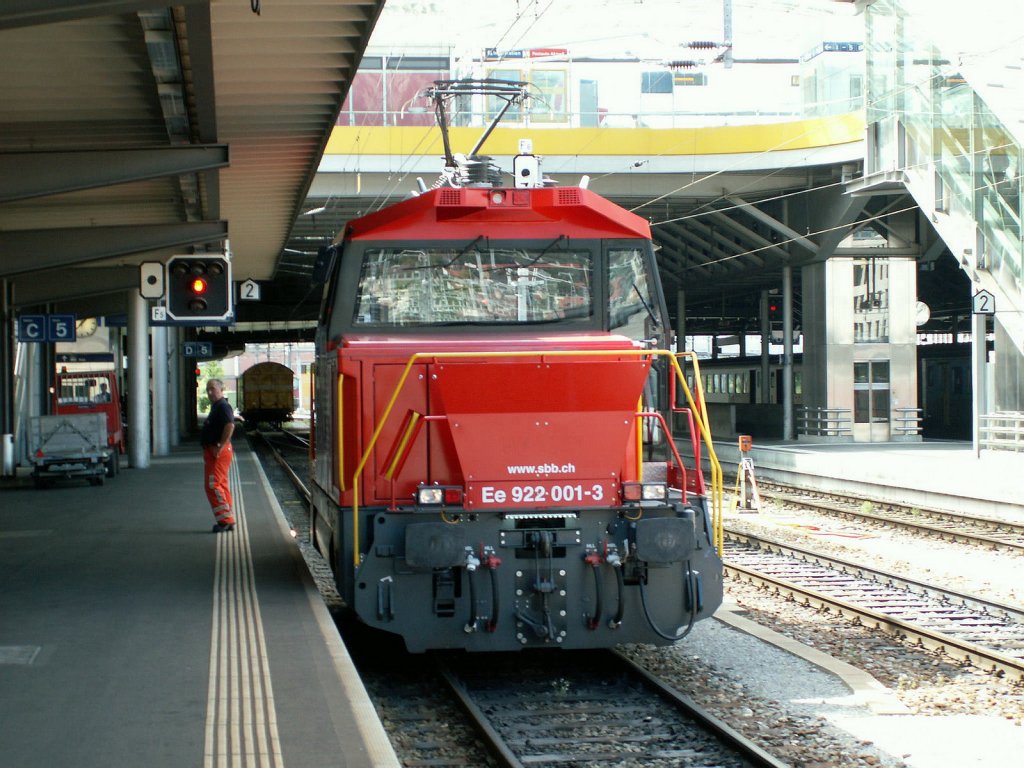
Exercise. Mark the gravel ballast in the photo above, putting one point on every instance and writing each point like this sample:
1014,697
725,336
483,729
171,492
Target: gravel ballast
940,713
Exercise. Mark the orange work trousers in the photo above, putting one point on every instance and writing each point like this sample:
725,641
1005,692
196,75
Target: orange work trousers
215,467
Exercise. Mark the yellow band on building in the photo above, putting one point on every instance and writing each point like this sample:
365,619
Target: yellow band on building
632,142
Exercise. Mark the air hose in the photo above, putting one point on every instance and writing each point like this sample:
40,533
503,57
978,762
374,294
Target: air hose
620,583
491,563
471,624
692,587
472,563
594,561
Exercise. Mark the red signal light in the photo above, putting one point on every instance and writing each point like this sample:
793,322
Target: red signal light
199,287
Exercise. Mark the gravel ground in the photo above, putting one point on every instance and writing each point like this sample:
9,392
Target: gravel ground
914,555
957,717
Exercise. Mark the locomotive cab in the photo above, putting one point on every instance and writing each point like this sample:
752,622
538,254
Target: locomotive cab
489,362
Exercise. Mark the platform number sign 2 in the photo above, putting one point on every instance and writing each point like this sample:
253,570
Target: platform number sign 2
249,290
983,303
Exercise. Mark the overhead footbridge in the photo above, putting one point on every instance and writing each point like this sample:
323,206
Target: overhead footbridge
731,203
948,127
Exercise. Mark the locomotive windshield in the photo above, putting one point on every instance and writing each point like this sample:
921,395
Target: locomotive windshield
505,284
631,305
444,285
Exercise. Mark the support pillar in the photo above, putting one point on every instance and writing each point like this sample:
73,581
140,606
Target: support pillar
764,392
680,321
161,439
6,358
8,436
138,381
859,380
787,353
979,357
174,385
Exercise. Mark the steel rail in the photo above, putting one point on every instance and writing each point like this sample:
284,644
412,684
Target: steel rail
753,755
945,533
751,751
497,746
300,486
978,656
1016,612
304,442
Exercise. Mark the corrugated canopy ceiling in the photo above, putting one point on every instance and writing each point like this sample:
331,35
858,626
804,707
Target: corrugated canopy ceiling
133,130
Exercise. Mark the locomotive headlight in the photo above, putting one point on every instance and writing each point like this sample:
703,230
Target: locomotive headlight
430,494
644,491
436,495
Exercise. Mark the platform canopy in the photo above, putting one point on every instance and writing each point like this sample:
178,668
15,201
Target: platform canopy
131,130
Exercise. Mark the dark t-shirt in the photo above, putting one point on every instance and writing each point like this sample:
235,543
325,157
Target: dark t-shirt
221,413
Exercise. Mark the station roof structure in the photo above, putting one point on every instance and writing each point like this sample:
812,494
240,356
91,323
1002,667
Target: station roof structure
131,130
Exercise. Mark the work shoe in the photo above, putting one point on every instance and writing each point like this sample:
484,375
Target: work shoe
222,527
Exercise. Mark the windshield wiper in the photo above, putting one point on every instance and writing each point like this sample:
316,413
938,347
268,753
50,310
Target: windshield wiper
535,259
547,248
456,257
650,311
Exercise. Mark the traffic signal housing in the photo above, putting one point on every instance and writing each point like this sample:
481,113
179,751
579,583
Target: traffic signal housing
775,321
199,288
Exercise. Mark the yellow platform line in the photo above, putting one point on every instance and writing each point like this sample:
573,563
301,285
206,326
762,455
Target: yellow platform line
241,719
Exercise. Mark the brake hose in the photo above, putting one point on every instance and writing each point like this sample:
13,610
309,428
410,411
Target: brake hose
594,561
471,624
492,563
691,583
620,583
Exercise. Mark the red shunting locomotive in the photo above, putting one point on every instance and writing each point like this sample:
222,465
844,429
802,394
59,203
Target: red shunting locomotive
491,375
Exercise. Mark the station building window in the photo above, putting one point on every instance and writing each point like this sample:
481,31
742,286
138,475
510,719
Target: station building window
549,102
871,301
495,103
871,391
656,82
385,87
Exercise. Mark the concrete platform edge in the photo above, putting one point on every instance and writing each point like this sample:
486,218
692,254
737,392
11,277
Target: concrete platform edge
380,753
928,475
866,689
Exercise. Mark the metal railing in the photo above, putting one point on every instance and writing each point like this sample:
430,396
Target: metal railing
1003,431
695,400
566,119
815,421
908,421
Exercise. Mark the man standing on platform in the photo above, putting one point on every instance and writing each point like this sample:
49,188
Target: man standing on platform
217,454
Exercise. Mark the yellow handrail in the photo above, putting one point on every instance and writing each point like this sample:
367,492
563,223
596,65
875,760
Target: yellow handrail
717,493
717,482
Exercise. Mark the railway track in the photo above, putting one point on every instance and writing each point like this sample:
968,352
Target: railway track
984,633
952,526
591,709
297,448
596,708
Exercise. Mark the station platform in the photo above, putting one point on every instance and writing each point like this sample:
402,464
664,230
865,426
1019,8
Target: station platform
132,635
930,474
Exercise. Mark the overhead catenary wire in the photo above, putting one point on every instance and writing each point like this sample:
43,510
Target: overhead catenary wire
401,174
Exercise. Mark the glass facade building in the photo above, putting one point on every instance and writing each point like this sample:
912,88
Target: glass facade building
926,120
